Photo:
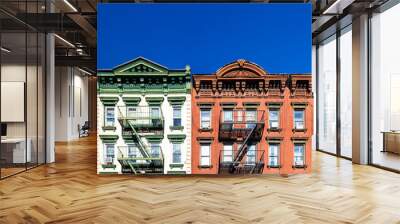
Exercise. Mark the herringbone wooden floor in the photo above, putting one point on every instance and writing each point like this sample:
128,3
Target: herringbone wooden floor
69,191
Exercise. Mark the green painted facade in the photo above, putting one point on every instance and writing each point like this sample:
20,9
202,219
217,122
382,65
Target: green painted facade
142,76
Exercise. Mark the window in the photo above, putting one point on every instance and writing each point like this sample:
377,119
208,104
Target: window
131,112
274,118
385,89
227,153
251,154
273,155
133,151
155,116
176,153
299,119
327,94
205,119
177,116
205,155
155,112
251,118
155,150
345,92
109,153
239,116
299,155
228,115
110,116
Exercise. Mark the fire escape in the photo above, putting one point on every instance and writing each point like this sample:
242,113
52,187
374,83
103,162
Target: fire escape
137,123
246,128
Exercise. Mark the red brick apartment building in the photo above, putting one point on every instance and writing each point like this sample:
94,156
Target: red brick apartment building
246,120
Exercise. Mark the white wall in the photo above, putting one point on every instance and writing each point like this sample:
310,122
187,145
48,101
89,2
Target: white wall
71,102
166,144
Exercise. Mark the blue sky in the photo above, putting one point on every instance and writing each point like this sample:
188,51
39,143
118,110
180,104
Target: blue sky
206,36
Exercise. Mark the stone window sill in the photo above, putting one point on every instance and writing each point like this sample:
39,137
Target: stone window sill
176,128
277,166
299,167
299,130
108,166
176,165
205,166
109,128
205,129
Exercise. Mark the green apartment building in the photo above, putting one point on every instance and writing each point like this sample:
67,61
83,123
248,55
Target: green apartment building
144,119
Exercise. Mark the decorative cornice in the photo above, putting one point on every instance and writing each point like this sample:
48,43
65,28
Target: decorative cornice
131,101
251,104
228,104
109,138
176,100
299,139
176,138
155,138
205,139
276,105
109,101
299,105
276,140
154,101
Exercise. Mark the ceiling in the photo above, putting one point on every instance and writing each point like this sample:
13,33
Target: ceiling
75,21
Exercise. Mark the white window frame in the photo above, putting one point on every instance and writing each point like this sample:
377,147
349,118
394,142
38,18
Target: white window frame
277,156
152,147
174,109
201,119
278,118
134,111
134,148
205,160
176,152
251,125
300,121
106,123
254,156
227,111
108,158
296,156
227,155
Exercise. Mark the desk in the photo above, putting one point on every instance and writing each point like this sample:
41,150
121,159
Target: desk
391,141
18,150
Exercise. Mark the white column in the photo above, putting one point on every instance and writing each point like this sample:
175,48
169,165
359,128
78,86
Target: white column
360,90
50,98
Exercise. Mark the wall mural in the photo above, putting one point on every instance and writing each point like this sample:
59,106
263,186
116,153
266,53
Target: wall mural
236,119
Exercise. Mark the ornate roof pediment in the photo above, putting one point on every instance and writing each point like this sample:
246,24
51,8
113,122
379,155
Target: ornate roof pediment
140,65
241,69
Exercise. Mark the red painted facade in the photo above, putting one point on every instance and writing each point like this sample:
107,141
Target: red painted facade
252,95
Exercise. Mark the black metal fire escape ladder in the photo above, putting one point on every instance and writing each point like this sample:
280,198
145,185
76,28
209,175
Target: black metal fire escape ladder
242,151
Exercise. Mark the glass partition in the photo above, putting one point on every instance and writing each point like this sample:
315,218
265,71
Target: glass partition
327,95
346,92
13,94
22,101
385,89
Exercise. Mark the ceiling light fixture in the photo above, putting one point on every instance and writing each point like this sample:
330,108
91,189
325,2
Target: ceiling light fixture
5,50
64,40
70,5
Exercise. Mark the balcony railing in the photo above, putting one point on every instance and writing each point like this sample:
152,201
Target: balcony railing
130,153
236,124
141,116
252,163
132,160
